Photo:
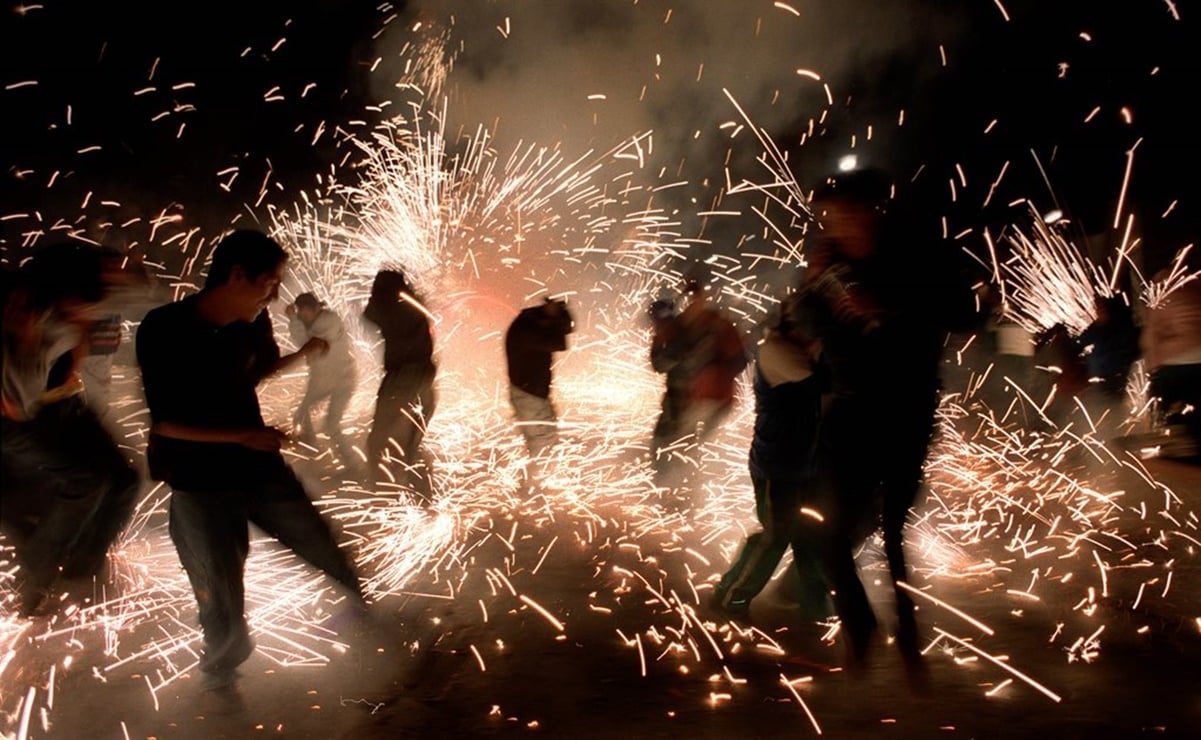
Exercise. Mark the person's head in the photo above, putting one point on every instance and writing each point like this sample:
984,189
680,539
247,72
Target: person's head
388,285
1110,308
307,307
65,276
849,207
695,295
247,267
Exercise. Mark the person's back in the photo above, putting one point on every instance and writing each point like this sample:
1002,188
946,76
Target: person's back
530,343
532,339
404,326
406,399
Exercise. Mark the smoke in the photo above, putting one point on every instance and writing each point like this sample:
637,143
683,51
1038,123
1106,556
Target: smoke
586,76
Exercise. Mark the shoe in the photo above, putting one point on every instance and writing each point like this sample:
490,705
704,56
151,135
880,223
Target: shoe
730,609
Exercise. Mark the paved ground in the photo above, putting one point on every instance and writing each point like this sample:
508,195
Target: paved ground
562,619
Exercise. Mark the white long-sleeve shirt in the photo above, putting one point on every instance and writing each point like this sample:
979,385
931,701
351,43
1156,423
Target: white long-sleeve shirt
334,368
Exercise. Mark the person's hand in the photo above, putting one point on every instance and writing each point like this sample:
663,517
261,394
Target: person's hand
315,346
266,439
290,310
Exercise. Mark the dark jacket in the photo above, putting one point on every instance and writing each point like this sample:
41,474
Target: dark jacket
194,373
531,340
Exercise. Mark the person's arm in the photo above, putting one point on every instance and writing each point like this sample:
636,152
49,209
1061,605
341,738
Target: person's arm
315,346
267,439
781,361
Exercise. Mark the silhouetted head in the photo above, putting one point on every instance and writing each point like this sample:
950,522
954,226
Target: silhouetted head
251,253
307,307
849,207
61,273
246,270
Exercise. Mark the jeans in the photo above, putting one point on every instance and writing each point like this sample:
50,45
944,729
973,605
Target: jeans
777,506
536,419
339,399
403,408
68,494
211,535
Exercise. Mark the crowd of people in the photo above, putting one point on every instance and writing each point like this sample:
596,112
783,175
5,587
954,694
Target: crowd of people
845,382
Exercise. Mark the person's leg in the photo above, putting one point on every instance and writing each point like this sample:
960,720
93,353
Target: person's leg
66,456
417,458
666,434
302,418
339,401
775,505
843,497
283,510
121,486
211,537
385,418
912,428
536,420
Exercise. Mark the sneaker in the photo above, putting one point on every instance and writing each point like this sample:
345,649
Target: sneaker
730,608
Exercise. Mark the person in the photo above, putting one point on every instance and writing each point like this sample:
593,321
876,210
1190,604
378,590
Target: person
331,375
882,295
788,385
201,359
406,399
69,491
701,354
1012,355
530,343
124,286
1171,347
1110,347
1063,373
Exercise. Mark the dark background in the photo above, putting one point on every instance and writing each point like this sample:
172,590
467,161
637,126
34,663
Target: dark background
91,57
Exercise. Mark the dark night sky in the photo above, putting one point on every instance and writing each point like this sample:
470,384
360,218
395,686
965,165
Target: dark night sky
91,57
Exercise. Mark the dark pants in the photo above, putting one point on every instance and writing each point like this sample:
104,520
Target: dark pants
210,532
403,407
68,494
871,452
777,506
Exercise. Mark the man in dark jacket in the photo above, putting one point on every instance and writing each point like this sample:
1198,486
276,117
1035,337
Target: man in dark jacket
201,359
883,292
530,343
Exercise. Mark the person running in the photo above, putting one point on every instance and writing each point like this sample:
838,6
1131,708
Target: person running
68,489
406,399
789,381
331,375
201,359
530,343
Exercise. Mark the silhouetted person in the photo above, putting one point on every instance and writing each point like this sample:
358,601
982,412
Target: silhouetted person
1111,347
788,383
1062,372
1171,346
882,294
202,358
702,354
530,343
332,375
406,399
68,490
